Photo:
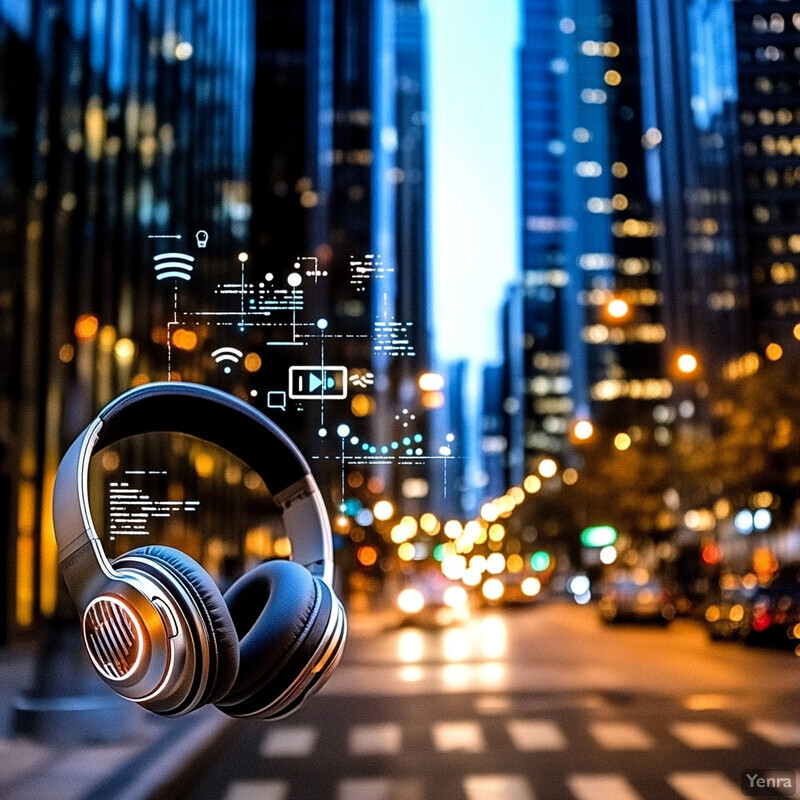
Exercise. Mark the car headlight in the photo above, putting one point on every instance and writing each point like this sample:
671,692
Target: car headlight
493,589
410,601
455,596
531,587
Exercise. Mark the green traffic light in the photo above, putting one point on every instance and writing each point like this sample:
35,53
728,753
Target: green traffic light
540,561
598,536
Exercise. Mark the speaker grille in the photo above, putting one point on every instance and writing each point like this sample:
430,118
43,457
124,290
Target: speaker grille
112,637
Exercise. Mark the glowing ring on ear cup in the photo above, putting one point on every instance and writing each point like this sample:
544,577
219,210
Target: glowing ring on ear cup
114,638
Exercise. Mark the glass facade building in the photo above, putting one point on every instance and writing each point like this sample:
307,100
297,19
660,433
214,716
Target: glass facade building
256,141
593,303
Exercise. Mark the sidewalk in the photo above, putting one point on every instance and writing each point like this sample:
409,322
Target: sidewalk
148,763
152,761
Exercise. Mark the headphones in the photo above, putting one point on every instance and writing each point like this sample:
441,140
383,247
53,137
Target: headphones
155,625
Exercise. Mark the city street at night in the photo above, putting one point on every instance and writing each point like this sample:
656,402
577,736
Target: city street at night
399,399
542,702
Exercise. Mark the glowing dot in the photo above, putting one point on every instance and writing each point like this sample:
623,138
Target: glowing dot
269,276
227,370
322,432
254,393
687,363
322,324
618,308
444,450
243,257
450,437
343,430
296,265
294,279
774,351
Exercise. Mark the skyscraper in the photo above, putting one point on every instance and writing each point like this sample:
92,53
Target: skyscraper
593,317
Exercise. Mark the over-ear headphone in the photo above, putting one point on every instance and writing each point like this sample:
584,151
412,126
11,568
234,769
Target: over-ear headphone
155,625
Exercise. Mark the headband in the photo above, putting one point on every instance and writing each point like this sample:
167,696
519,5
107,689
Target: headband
205,413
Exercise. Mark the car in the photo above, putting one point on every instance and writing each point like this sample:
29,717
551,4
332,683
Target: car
511,589
426,597
636,598
774,614
727,610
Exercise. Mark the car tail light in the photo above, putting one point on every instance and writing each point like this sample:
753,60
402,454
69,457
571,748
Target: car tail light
762,619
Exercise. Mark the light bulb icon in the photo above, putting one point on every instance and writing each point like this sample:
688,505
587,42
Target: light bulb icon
202,238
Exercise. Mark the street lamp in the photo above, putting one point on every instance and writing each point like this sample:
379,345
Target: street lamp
618,309
582,430
687,363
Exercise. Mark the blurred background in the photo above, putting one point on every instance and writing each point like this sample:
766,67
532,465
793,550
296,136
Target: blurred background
520,278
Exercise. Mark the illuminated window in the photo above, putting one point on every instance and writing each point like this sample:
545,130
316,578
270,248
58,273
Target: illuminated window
581,135
599,205
619,170
594,96
619,202
761,213
612,78
783,272
764,85
760,24
588,169
651,137
776,23
770,53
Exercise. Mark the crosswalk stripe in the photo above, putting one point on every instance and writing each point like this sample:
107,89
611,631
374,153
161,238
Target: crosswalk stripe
780,734
257,790
601,787
497,787
379,789
382,739
620,736
703,785
289,741
530,735
704,736
464,736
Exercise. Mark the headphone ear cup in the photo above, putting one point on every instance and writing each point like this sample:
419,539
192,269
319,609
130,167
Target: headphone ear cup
163,563
283,616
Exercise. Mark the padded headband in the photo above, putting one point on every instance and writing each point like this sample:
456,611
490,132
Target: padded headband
208,414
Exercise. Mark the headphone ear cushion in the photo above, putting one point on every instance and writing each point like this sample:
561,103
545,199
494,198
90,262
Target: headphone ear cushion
281,614
223,638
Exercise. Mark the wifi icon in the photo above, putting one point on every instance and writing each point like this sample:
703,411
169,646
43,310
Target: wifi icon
179,266
223,354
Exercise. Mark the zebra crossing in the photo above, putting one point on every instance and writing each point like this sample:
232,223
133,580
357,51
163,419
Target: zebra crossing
286,745
525,735
687,785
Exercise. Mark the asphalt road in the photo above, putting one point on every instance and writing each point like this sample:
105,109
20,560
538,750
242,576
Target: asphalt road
541,703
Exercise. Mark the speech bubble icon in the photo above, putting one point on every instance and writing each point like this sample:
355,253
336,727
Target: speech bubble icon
276,400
